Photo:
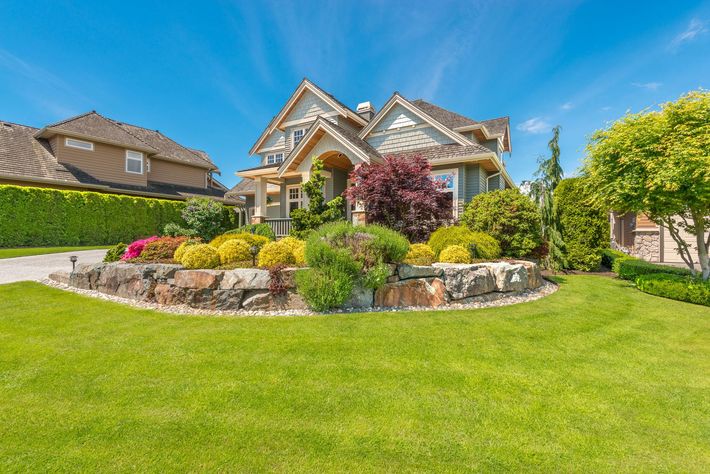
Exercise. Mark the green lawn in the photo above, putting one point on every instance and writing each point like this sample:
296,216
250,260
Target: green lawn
27,251
598,377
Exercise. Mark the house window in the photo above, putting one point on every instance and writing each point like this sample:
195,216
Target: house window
134,162
297,136
275,158
294,198
449,180
82,145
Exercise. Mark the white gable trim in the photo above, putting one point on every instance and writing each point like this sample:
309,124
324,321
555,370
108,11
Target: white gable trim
321,124
397,99
276,122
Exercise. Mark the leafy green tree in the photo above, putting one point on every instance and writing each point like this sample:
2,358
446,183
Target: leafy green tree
508,216
319,212
658,162
204,217
548,176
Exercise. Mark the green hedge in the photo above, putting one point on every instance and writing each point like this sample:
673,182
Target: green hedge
50,217
609,256
676,287
632,268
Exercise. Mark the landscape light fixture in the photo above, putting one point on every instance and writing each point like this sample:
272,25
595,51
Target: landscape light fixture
253,250
73,260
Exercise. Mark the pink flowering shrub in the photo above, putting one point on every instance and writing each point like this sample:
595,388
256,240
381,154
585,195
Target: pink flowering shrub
136,248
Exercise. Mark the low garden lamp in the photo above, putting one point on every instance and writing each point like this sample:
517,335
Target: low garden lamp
253,250
73,260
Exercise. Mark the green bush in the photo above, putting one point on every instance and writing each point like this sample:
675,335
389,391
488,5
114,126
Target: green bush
258,229
608,257
676,287
200,256
204,216
234,250
172,229
420,254
324,289
41,217
584,227
486,247
509,217
180,251
114,253
632,268
455,254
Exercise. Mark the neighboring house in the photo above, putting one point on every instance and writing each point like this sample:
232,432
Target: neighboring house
639,236
466,154
91,152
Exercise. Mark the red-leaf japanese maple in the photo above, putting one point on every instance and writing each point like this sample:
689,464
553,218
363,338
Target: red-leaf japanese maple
401,195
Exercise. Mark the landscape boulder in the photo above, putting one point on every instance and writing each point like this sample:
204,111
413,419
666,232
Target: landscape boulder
416,292
465,280
245,279
509,277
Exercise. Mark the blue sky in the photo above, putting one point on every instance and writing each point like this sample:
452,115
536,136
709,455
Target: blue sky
211,74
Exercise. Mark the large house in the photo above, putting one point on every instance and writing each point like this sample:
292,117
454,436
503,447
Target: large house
464,153
91,152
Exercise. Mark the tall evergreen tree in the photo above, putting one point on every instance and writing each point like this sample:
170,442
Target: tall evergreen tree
548,176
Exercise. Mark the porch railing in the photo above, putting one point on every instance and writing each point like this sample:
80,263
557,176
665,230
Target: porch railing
280,226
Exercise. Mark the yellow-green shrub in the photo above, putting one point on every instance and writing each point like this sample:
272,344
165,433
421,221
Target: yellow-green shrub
234,250
298,248
275,253
180,251
251,239
455,254
200,256
419,254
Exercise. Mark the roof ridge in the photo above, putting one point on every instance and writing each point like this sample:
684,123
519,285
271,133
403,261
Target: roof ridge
117,124
19,124
61,122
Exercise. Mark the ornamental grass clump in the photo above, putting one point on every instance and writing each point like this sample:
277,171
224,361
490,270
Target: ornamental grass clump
420,254
233,251
455,254
200,256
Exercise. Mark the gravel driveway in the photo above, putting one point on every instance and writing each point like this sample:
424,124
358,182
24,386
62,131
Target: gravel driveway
37,267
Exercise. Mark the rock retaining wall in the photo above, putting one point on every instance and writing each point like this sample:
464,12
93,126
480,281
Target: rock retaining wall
248,288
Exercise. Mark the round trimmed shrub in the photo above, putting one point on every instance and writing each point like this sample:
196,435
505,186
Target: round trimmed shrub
420,254
180,251
262,229
251,239
162,249
486,247
455,254
275,253
298,248
508,216
200,256
234,250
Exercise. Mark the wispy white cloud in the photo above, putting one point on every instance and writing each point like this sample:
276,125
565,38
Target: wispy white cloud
695,28
567,106
535,126
649,86
606,108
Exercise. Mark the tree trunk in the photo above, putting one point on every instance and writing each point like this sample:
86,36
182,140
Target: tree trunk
698,221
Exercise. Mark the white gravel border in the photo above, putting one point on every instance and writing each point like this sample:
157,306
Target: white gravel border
488,300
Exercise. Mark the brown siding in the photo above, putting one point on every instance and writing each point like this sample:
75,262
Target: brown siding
176,173
642,220
106,162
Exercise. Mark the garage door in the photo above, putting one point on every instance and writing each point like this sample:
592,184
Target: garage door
670,252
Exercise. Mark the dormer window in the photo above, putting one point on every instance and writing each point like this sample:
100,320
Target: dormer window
134,162
275,158
297,135
82,145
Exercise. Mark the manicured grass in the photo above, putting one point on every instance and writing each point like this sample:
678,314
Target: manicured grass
27,251
598,377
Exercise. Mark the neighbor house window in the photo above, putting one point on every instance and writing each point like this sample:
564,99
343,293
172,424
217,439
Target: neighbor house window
297,135
134,162
294,198
449,181
275,158
74,143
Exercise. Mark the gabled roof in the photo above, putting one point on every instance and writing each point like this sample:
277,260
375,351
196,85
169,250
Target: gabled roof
94,126
397,99
445,117
348,139
305,85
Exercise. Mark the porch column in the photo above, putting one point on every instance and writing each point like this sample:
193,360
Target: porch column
259,201
305,176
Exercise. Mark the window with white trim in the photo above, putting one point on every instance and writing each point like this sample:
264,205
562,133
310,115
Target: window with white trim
275,158
134,162
449,181
81,144
294,198
298,135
